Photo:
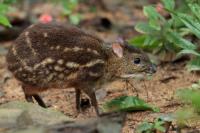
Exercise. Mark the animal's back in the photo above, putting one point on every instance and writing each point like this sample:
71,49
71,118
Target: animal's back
50,54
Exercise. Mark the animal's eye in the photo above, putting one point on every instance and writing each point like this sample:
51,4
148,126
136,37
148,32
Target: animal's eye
136,60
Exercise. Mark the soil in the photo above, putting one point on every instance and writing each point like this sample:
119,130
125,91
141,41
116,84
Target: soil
159,91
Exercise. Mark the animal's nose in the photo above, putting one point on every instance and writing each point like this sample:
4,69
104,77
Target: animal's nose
152,69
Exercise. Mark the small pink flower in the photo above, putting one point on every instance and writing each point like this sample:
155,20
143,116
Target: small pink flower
159,8
45,18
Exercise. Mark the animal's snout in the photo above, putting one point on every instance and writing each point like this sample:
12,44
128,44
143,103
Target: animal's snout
152,69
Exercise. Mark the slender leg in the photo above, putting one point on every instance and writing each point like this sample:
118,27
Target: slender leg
94,102
93,99
78,99
91,93
29,98
39,100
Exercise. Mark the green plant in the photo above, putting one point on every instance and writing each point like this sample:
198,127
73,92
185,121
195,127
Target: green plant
128,103
69,7
161,35
4,8
192,22
151,127
190,96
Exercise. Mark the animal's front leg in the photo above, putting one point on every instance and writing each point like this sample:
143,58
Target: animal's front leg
91,93
94,102
78,99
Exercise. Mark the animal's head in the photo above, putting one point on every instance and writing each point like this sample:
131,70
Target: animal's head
131,59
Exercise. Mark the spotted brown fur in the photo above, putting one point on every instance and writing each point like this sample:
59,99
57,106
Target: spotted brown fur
33,48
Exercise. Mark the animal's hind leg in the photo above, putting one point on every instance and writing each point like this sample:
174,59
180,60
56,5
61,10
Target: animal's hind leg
29,95
29,98
39,100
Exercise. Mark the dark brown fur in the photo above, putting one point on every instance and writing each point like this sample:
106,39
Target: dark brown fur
61,35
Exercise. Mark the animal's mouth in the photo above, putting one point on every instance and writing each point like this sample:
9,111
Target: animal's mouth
151,70
140,75
135,75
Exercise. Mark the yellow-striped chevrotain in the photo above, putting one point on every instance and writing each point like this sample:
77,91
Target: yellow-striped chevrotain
53,55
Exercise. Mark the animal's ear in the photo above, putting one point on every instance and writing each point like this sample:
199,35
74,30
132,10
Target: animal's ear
117,49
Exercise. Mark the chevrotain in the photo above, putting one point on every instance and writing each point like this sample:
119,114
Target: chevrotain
58,56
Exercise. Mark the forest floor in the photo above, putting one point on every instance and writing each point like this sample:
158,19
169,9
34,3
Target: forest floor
159,91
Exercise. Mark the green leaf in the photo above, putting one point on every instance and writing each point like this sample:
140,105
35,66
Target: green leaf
137,41
194,65
175,38
145,28
147,127
167,117
146,42
188,51
151,12
69,6
9,1
185,31
75,19
4,21
151,42
169,4
155,24
184,115
189,22
128,103
3,8
190,96
67,11
159,125
144,127
154,17
160,128
195,8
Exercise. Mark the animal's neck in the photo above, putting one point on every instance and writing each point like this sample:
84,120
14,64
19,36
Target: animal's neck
113,68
